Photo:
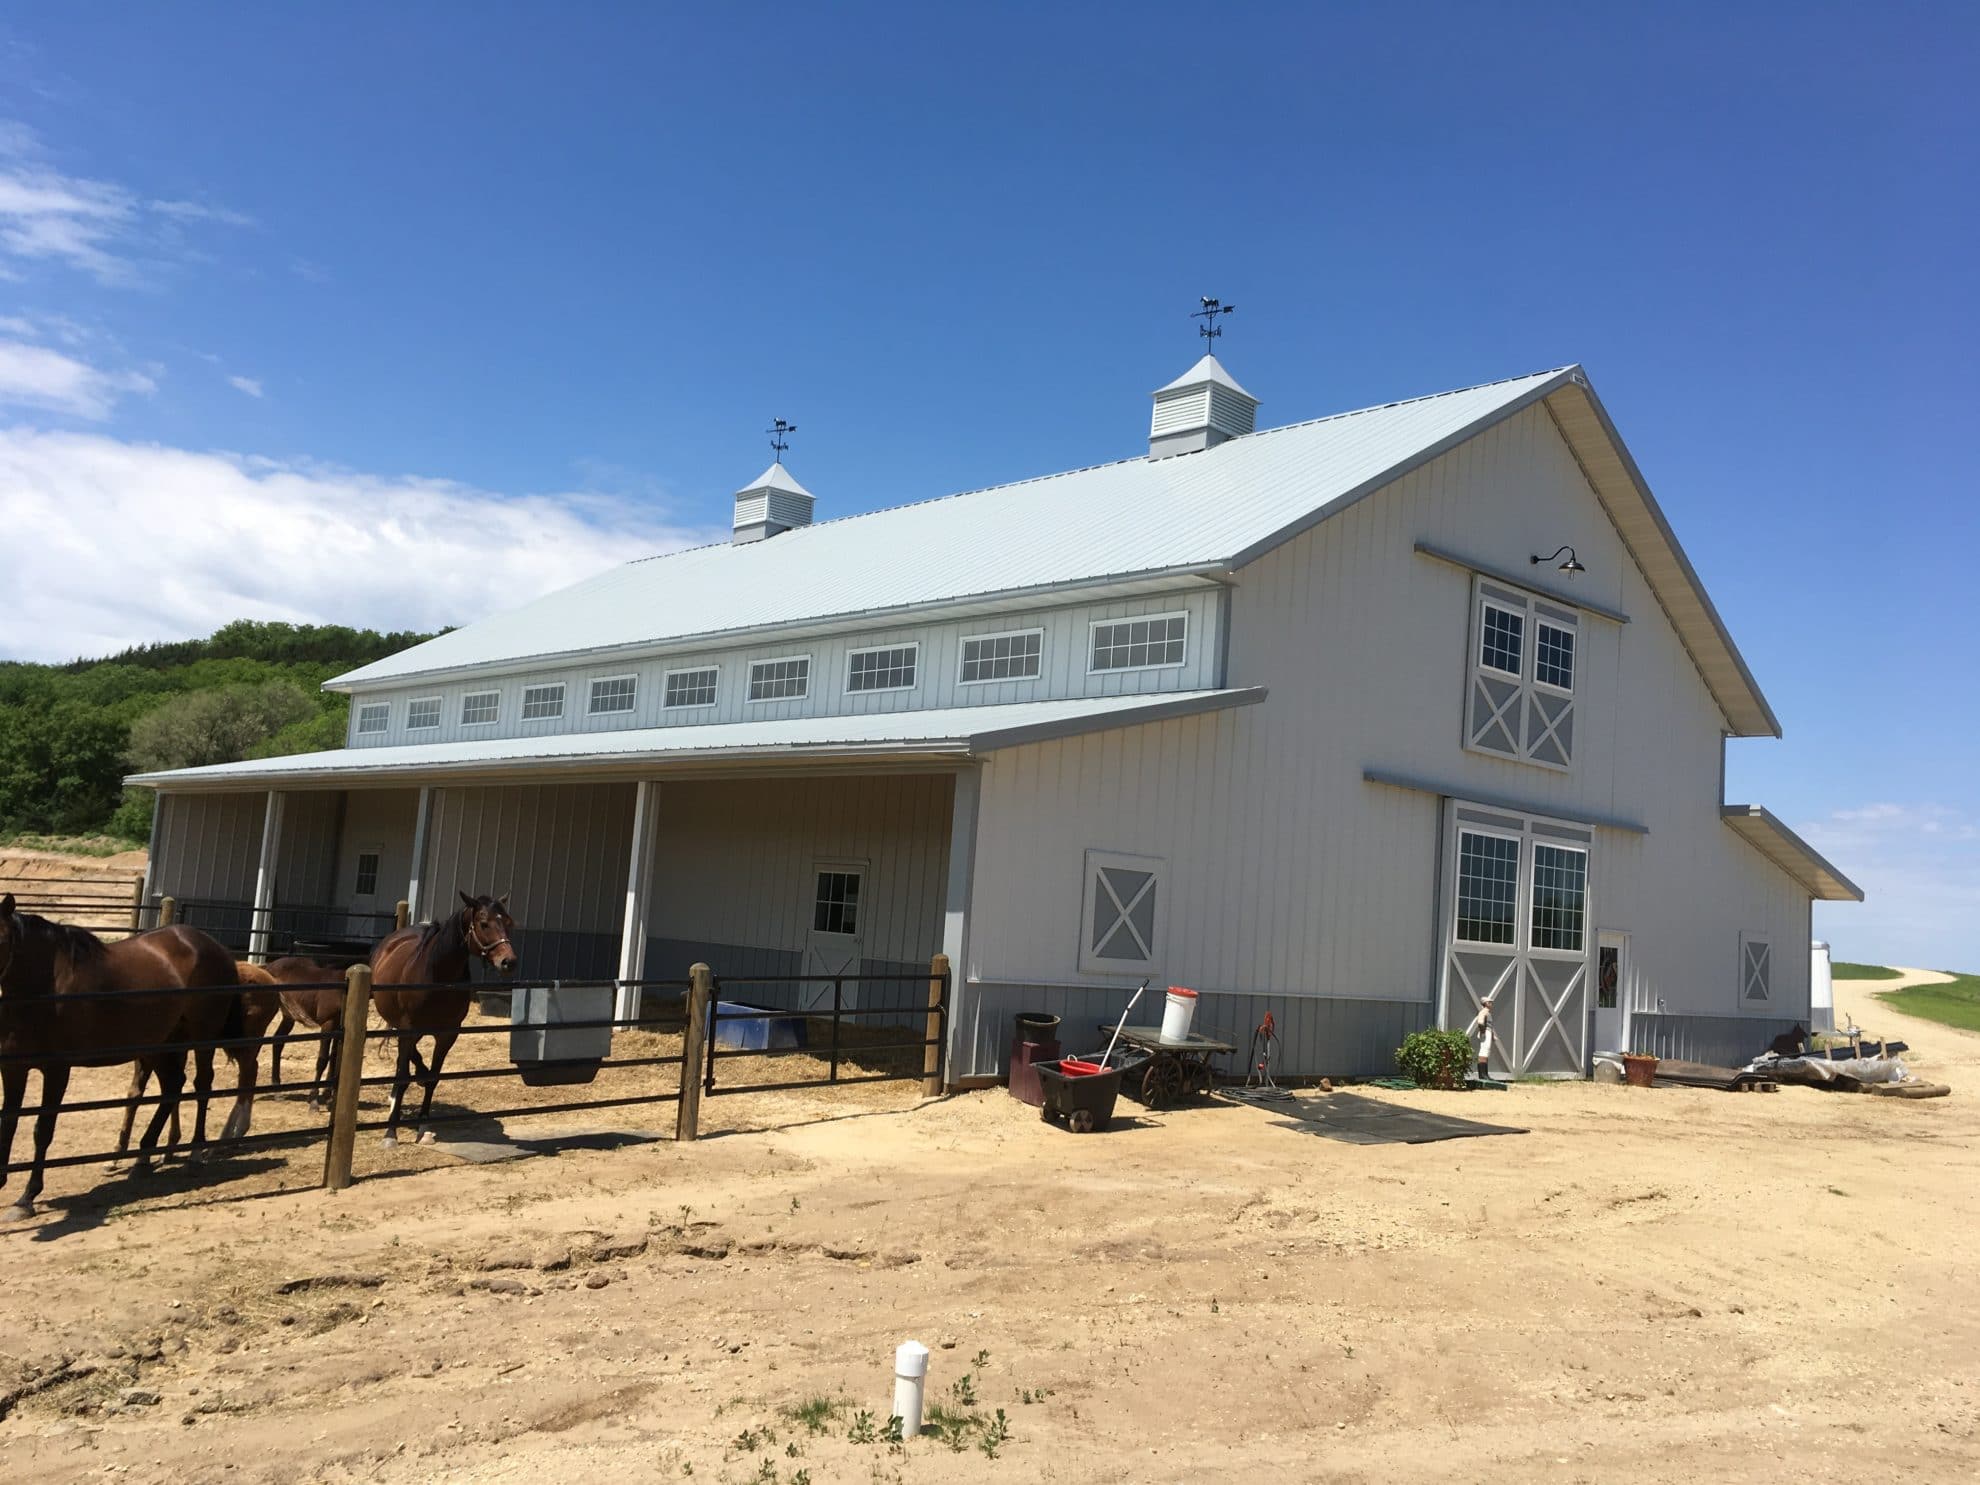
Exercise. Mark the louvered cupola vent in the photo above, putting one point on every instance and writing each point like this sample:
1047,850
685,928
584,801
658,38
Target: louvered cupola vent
771,503
1199,410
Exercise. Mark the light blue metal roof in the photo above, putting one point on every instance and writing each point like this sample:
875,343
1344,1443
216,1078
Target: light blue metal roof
1138,517
949,732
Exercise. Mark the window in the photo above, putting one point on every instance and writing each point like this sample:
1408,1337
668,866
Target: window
366,884
1520,697
543,703
1756,970
1488,887
374,716
1002,657
1121,927
835,907
480,707
882,670
780,680
1560,897
690,687
1553,659
1608,977
613,694
423,713
1139,644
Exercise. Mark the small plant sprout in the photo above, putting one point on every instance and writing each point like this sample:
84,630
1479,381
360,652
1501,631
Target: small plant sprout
862,1430
994,1433
982,1360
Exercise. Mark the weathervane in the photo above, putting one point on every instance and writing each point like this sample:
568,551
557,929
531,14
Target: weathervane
1208,314
780,437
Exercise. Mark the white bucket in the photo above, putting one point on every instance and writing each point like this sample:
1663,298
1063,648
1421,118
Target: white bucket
1178,1014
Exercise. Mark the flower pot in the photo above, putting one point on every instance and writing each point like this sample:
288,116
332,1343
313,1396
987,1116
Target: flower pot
1639,1069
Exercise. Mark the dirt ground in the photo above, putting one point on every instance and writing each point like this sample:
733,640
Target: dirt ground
1663,1285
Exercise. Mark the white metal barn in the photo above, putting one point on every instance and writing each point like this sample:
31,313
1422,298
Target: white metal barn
1293,717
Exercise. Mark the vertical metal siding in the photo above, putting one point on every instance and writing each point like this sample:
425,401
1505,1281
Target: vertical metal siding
306,863
209,846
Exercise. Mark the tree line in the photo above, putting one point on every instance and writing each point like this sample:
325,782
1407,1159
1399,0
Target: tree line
70,732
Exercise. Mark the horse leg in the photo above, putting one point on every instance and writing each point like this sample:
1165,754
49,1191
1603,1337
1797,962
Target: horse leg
13,1094
54,1083
443,1042
401,1075
283,1027
202,1093
171,1070
247,1067
329,1049
139,1077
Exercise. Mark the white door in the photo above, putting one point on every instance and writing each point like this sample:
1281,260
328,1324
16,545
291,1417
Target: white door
832,943
1611,976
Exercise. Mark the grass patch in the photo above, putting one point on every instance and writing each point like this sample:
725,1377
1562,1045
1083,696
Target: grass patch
69,845
815,1414
1844,971
1956,1004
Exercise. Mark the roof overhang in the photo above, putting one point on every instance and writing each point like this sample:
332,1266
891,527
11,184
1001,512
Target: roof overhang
948,737
1763,830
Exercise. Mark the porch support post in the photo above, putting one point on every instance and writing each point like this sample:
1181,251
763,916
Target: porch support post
639,888
956,900
415,889
264,877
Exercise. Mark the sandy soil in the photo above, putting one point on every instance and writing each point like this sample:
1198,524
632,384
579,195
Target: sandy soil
1660,1285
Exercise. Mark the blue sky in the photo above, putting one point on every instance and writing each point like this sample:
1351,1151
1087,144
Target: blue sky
529,281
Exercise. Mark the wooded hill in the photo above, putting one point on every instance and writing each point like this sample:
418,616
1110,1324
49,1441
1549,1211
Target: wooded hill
69,733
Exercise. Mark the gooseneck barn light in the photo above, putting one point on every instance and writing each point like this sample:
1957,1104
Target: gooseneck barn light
1571,566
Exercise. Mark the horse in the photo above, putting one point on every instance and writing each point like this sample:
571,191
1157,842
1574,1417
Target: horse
258,1007
50,1020
435,954
318,1003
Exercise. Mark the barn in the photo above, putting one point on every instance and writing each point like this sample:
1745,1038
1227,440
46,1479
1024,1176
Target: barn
1363,720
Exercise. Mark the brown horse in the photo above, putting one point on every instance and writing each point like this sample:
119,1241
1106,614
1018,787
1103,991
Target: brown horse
258,1007
318,1002
435,954
50,1020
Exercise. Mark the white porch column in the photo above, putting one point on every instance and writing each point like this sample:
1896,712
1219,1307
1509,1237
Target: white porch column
639,890
422,818
264,877
956,898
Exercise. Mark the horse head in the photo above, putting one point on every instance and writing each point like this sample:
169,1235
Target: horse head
487,926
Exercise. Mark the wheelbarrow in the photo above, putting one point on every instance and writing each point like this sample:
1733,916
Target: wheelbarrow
1083,1101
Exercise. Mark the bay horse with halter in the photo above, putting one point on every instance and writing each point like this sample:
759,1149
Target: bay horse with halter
435,954
53,1019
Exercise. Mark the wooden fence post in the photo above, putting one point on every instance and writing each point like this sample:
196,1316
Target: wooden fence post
931,1055
401,915
350,1073
168,911
694,1047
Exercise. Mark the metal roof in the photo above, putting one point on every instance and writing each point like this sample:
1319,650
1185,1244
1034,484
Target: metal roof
1203,513
949,732
1765,832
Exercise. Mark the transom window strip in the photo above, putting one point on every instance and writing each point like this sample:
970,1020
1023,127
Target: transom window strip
541,703
780,680
1501,638
1002,657
1488,888
425,713
480,707
614,694
1560,897
690,688
1553,660
1140,644
374,716
881,670
836,908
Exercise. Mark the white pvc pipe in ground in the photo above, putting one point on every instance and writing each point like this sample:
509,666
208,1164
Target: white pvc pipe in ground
910,1375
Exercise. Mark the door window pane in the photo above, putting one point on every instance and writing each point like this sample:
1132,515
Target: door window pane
836,906
1560,897
1488,888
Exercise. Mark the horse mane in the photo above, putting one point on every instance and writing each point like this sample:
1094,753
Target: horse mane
82,946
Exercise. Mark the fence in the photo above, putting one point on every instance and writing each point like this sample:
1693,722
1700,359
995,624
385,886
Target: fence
705,1009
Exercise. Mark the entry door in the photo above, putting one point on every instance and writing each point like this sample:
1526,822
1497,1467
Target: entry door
1611,976
1515,938
832,943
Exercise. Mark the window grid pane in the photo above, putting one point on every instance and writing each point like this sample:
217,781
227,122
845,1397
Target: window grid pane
374,717
1488,887
836,906
615,695
1501,637
479,707
779,680
1002,657
882,670
1560,897
691,688
1553,661
367,874
423,714
542,702
1140,644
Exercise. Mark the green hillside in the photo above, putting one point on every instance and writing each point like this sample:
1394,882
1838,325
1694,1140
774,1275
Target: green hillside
69,733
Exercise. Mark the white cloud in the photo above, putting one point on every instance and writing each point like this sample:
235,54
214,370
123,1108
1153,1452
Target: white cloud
200,211
115,543
35,376
1919,868
248,384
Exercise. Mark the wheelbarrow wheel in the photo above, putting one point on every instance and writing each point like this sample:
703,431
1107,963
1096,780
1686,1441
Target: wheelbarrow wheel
1162,1083
1080,1121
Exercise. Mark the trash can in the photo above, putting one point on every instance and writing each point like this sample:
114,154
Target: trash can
1036,1026
545,1053
1036,1040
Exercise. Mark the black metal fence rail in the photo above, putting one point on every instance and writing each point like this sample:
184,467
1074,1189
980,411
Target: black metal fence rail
934,1037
